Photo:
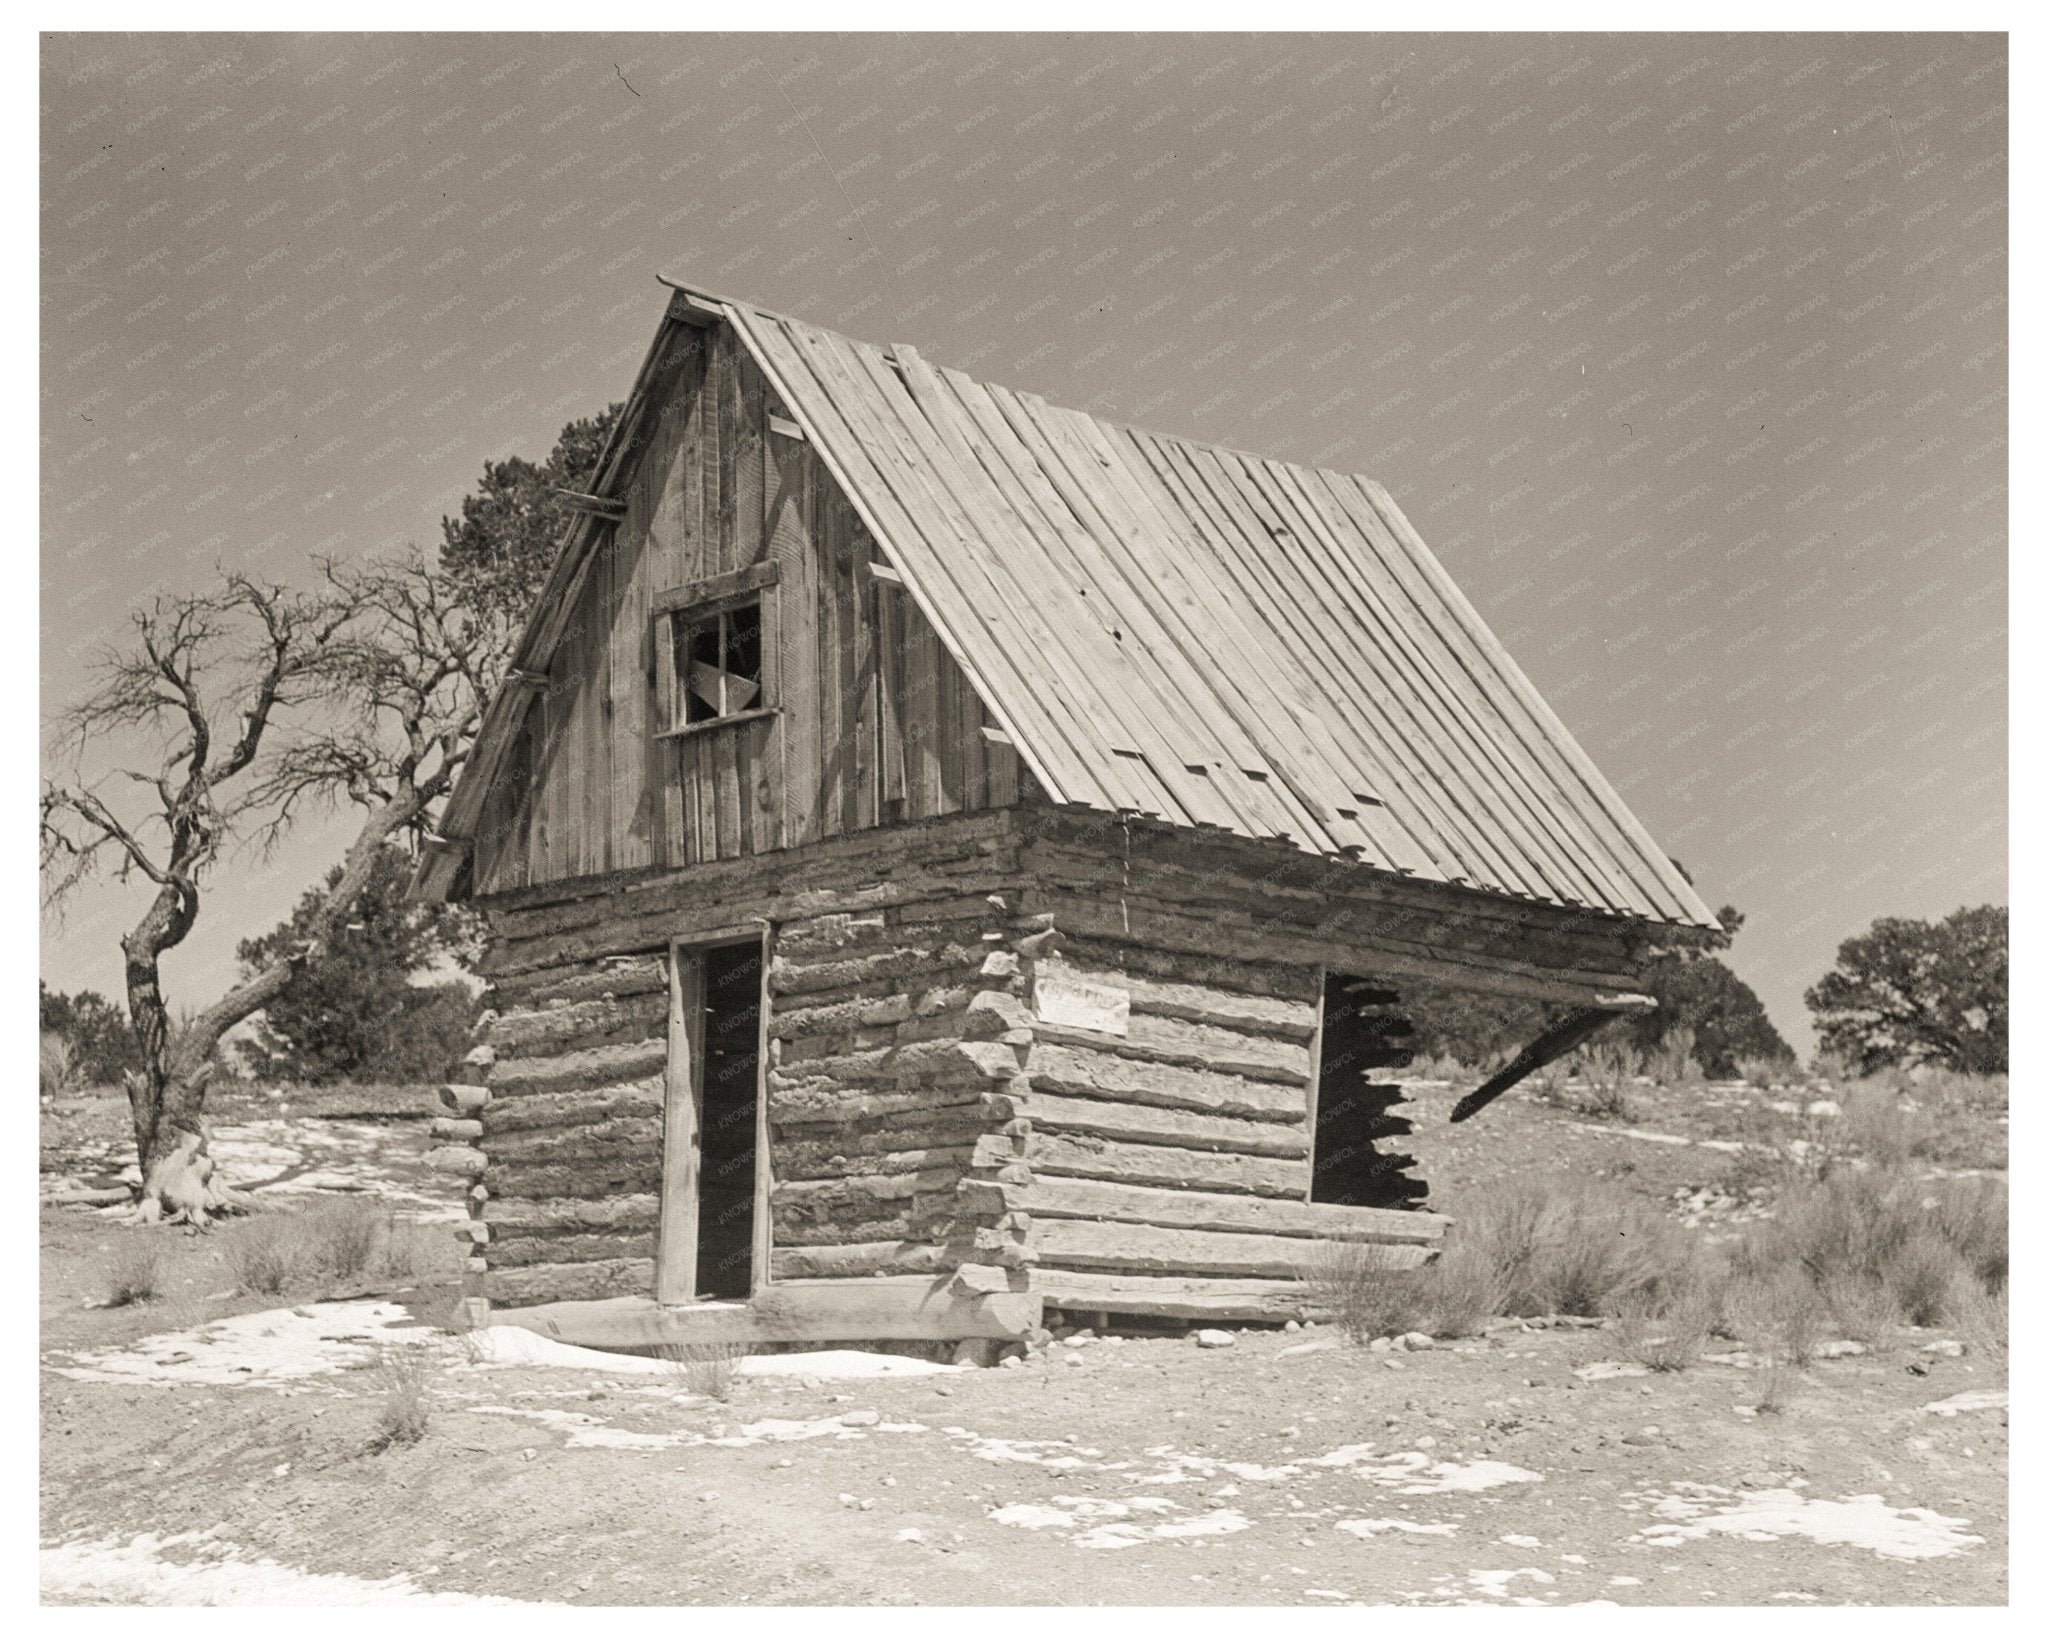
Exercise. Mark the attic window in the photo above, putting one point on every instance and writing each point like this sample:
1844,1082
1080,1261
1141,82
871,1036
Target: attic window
710,657
718,664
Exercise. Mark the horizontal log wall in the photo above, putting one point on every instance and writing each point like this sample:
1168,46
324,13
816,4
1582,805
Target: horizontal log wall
573,1063
893,1067
1163,888
888,1003
1177,1149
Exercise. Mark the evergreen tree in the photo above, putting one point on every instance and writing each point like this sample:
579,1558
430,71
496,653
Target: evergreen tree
498,553
357,1015
103,1047
1920,992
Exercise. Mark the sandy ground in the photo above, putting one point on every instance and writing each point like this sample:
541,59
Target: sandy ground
1533,1466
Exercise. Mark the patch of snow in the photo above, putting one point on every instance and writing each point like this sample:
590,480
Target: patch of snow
776,1430
1430,1478
1770,1515
110,1571
841,1364
1975,1399
496,1345
1031,1516
266,1349
1110,1526
1495,1583
1054,1453
515,1345
583,1430
1366,1529
590,1431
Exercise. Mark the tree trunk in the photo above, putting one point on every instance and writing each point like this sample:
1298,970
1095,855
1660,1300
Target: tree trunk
178,1182
167,1100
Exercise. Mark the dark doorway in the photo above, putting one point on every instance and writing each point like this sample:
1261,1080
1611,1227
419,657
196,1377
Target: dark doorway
731,1037
1363,1035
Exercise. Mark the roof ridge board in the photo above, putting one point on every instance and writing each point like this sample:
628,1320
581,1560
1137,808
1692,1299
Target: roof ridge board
1407,805
1532,700
1236,776
1490,772
1019,613
1466,794
1354,677
1589,828
1172,779
972,655
1126,544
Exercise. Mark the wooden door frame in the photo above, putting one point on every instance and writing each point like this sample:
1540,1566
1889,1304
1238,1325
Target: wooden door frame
1315,1078
675,1257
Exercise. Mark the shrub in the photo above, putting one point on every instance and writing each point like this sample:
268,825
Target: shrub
132,1269
1671,1061
1606,1069
262,1258
332,1243
402,1374
339,1238
1366,1295
1667,1329
1878,1247
705,1368
1551,1245
1766,1072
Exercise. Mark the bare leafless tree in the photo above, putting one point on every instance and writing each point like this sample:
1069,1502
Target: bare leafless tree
365,693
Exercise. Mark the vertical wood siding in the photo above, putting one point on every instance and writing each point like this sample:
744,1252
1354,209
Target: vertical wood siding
876,723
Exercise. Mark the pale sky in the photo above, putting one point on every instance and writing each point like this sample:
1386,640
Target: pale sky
1686,354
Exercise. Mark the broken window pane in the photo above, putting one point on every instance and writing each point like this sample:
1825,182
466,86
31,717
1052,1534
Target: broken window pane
718,663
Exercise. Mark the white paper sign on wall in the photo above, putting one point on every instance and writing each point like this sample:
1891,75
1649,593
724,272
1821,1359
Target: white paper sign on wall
1063,998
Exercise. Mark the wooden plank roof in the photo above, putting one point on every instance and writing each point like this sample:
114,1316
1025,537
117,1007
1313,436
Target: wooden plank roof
1212,638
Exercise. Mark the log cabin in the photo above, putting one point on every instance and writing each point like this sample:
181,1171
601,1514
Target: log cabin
950,858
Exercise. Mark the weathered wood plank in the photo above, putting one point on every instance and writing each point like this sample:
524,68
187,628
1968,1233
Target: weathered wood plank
636,1134
1091,1070
681,1155
1048,1197
1156,1040
553,1111
624,1212
578,1071
521,1251
1143,1248
1176,1297
1151,1123
908,1308
1215,1006
1055,1154
867,1258
597,1022
557,1282
597,1178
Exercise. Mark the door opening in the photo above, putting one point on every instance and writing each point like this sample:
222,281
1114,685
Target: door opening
1362,1033
711,1146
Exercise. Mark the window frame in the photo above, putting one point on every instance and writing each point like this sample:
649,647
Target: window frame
692,607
